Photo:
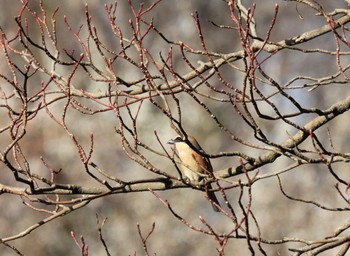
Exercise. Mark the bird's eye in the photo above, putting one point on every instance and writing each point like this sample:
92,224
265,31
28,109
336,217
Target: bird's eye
178,139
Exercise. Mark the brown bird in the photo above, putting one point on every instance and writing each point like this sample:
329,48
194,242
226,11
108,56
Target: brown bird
194,166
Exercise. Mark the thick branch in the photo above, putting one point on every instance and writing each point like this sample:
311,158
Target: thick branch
289,144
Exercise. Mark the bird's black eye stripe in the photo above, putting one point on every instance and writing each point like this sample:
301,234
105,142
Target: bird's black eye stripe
178,139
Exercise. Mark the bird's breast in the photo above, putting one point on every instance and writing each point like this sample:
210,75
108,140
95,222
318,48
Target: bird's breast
192,164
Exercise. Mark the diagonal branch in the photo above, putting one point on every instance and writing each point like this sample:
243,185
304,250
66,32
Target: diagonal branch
290,143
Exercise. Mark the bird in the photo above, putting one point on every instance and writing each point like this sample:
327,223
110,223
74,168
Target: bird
194,166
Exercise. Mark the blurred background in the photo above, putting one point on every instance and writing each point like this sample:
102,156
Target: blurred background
278,216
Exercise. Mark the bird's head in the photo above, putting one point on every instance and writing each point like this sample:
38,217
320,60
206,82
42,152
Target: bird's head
190,140
176,140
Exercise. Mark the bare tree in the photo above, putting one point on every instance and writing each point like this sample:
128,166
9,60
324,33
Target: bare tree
87,105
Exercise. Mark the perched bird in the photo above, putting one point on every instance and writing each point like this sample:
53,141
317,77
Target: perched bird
194,166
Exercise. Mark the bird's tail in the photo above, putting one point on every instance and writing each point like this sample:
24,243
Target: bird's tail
213,198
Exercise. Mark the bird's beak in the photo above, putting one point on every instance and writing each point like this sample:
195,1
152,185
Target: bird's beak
172,142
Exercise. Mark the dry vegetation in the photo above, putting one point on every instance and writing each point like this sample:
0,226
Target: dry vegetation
90,94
